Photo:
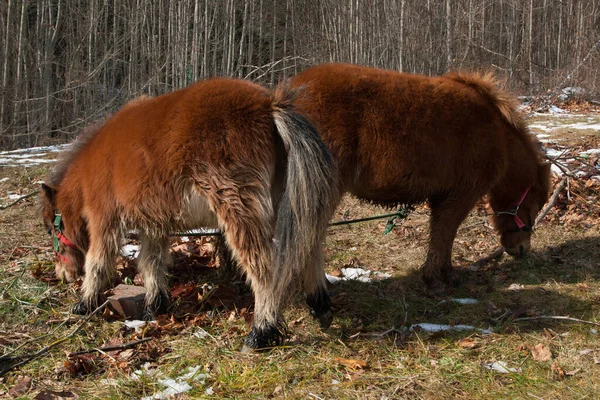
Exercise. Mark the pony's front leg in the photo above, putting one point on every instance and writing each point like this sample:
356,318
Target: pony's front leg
152,264
99,271
446,216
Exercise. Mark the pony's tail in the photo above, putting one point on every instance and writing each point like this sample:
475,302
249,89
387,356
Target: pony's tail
488,86
309,192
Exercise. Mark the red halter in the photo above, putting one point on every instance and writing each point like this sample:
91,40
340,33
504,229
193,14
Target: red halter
60,237
514,212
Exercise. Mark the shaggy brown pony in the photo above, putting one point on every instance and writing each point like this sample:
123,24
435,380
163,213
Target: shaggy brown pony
221,152
449,140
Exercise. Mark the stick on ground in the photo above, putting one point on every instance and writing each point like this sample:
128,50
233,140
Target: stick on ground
112,348
25,358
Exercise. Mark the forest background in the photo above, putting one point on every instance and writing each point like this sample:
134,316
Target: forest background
66,63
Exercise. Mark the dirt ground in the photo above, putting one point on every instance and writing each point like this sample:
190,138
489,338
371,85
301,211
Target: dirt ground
517,342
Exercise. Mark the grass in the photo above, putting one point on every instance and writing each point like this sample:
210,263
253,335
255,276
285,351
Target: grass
559,277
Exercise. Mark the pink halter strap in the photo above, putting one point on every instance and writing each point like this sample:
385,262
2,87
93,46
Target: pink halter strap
515,210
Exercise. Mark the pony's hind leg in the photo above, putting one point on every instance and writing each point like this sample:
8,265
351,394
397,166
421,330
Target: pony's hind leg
244,208
315,287
99,269
152,264
447,213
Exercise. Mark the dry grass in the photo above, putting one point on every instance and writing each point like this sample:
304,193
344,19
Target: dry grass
560,277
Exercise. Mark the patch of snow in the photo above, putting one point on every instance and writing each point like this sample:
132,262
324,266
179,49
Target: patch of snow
593,331
209,392
541,128
134,324
590,151
130,250
178,385
549,140
556,110
201,333
429,327
556,170
357,274
4,179
542,136
582,125
35,150
516,287
14,196
502,367
460,301
552,152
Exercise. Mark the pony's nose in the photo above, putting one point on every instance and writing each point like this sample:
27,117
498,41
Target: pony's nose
521,250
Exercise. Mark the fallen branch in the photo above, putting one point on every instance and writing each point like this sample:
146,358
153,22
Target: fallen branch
557,317
111,348
4,207
551,202
25,358
376,335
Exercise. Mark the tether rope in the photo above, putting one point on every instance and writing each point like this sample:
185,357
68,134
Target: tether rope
402,213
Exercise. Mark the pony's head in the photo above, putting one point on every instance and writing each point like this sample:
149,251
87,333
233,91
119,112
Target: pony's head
69,257
515,221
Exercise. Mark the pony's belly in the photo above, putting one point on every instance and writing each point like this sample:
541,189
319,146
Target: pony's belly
196,213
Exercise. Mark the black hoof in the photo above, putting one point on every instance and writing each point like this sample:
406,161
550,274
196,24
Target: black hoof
324,320
320,307
262,339
159,306
81,308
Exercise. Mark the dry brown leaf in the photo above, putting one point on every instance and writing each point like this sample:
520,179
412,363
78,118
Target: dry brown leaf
467,343
351,363
52,395
21,387
558,372
541,353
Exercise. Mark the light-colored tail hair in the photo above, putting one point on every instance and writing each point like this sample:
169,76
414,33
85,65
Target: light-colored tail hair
309,195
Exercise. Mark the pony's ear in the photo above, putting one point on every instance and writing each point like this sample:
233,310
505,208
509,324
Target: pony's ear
49,192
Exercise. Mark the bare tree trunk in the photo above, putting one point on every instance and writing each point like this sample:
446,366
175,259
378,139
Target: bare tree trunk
449,56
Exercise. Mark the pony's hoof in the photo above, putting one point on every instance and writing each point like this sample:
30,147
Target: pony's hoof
324,319
159,306
80,308
262,339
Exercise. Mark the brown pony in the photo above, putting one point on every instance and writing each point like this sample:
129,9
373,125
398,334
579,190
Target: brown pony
449,140
221,152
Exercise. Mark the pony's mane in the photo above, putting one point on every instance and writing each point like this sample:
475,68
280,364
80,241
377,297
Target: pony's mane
67,157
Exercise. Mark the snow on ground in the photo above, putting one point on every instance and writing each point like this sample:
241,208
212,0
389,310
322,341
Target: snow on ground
30,157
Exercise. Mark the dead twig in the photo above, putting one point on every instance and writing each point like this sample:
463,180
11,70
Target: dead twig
557,317
111,348
4,207
551,202
376,335
25,358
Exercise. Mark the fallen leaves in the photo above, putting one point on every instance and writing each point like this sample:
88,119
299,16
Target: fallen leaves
541,353
467,343
21,387
351,363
